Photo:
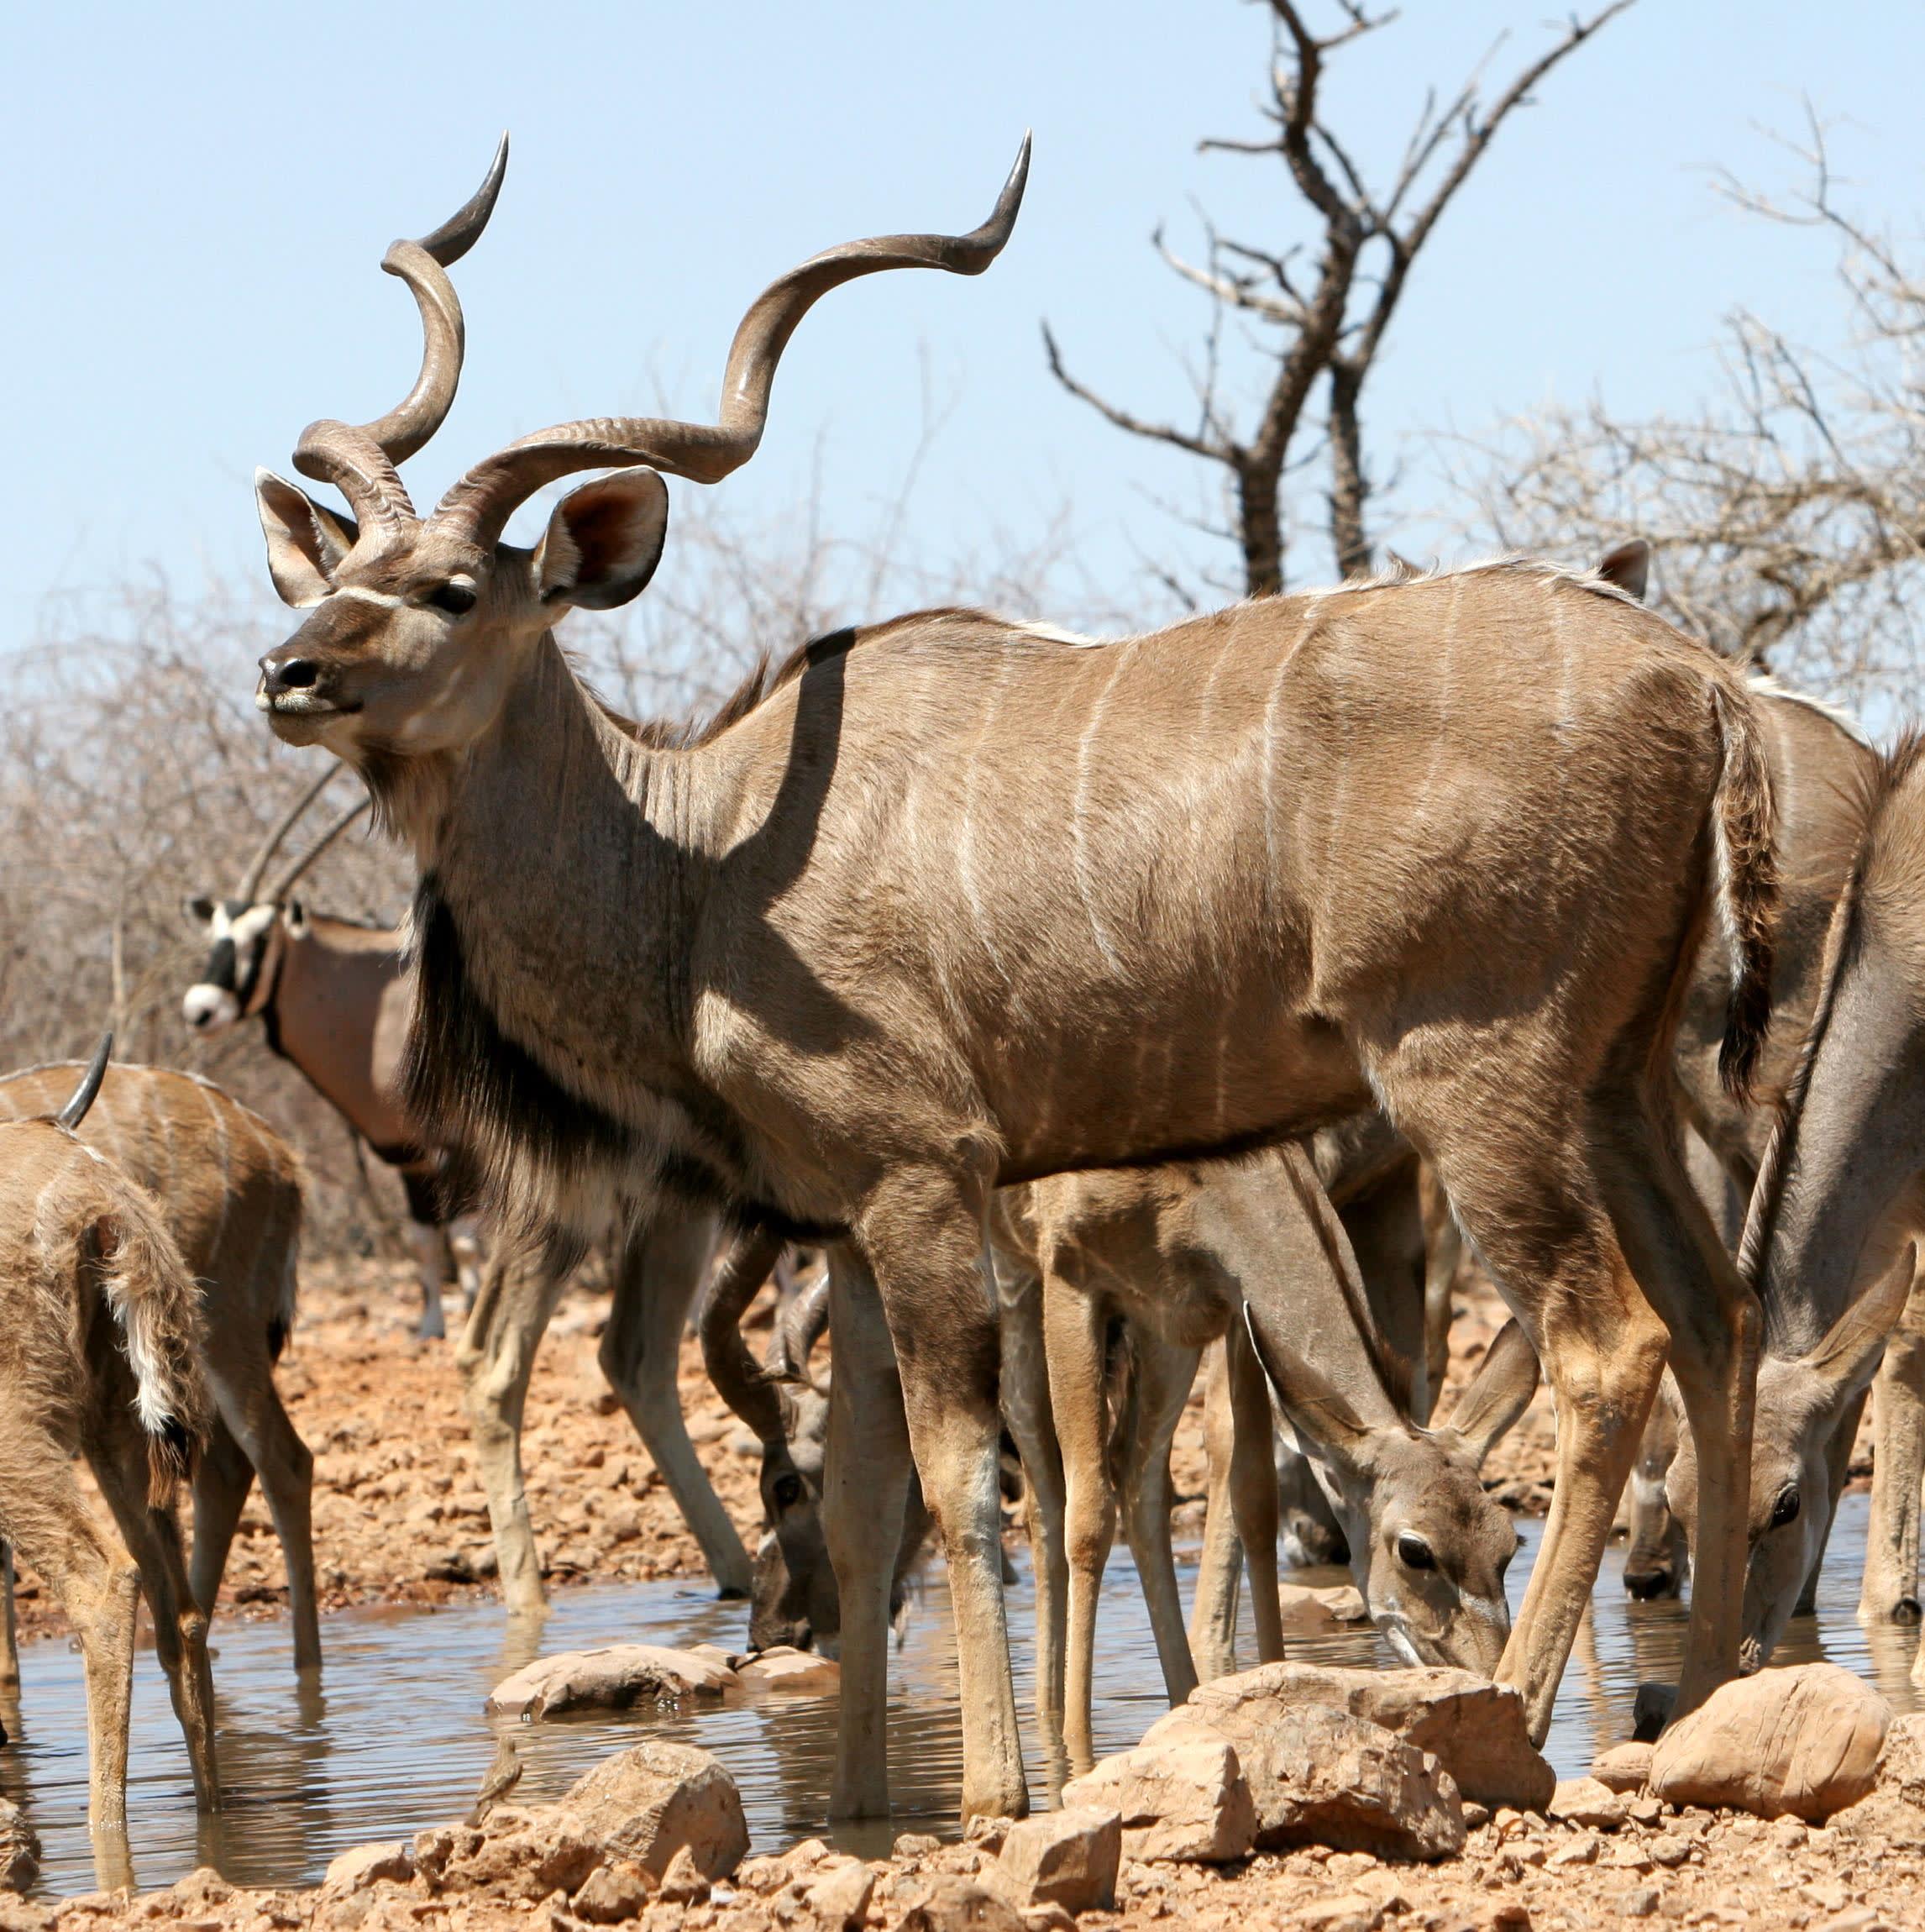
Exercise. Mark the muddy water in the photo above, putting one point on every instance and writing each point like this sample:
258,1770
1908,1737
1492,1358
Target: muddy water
395,1738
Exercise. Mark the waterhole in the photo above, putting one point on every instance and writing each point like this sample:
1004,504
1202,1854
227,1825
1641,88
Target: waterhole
394,1738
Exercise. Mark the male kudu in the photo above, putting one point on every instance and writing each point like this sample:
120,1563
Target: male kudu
952,903
229,1190
100,1345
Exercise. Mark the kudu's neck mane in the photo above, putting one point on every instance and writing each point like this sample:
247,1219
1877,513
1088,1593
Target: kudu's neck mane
564,860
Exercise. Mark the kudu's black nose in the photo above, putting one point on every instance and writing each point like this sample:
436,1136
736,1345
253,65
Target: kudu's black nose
1645,1584
289,674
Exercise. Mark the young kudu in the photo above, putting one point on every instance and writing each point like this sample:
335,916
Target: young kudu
953,903
1153,1263
1834,1221
229,1189
335,998
332,998
100,1343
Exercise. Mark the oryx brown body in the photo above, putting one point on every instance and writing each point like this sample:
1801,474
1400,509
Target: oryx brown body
101,1342
958,904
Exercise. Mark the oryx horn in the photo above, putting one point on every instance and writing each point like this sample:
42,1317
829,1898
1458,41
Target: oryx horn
250,879
75,1111
285,884
480,505
360,458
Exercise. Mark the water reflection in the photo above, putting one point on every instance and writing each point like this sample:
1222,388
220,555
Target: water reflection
395,1738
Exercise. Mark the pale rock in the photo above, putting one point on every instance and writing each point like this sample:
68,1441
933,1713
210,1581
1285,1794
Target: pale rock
1319,1776
1587,1801
1068,1858
840,1898
1641,1902
1182,1798
1340,1912
654,1799
684,1882
1804,1739
613,1677
19,1848
783,1668
364,1865
612,1894
914,1845
1582,1850
1895,1807
951,1904
1625,1767
1475,1728
987,1833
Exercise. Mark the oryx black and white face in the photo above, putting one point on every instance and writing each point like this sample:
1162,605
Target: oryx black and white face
240,937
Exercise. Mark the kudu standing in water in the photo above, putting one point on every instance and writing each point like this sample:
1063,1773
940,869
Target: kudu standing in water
335,999
100,1349
229,1190
1834,1219
1167,1254
950,903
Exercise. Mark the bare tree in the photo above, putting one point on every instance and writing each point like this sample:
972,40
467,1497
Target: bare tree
1325,323
1787,516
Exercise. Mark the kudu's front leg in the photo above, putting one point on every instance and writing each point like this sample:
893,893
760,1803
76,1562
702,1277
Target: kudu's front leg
865,1487
661,1268
1220,1570
924,1234
1890,1591
520,1286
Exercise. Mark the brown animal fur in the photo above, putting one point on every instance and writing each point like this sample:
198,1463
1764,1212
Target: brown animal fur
962,905
100,1348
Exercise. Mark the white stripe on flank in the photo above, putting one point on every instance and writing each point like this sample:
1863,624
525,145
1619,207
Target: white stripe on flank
1078,840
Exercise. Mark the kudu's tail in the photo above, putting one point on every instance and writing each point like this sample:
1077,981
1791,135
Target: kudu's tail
1745,840
156,1304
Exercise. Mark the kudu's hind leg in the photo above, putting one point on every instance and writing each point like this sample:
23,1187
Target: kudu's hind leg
865,1489
1030,1416
1253,1495
250,1406
1160,1389
9,1622
1550,1243
661,1268
924,1236
1075,1325
1220,1571
496,1355
99,1588
223,1478
1889,1590
1715,1323
152,1533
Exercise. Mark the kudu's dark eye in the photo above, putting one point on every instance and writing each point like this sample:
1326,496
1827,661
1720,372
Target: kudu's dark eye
458,600
1786,1509
1414,1553
788,1491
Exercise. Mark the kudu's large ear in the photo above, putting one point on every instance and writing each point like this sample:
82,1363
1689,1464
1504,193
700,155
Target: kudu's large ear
1846,1360
1499,1393
1629,567
1319,1411
604,541
306,542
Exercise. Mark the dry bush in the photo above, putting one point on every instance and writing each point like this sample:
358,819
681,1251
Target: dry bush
1787,516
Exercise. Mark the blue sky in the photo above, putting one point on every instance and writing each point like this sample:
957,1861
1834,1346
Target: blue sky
200,195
